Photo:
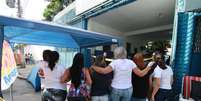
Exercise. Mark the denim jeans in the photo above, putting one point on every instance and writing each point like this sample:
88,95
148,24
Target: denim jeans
121,94
100,98
53,95
162,95
138,99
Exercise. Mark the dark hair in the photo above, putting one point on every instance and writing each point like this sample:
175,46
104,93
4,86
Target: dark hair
76,69
54,57
161,61
46,55
100,61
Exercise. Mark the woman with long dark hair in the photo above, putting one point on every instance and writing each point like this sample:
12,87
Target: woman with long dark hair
79,76
54,90
44,63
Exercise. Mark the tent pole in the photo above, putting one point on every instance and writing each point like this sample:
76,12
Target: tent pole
11,92
1,45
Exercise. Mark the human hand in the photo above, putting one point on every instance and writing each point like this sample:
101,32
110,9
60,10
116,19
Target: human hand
150,64
41,73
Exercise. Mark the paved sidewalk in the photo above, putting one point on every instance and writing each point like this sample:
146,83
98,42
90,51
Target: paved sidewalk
22,89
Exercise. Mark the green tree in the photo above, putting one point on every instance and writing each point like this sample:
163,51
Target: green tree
52,9
160,46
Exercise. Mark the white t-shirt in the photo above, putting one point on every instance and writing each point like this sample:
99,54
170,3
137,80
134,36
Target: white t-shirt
165,76
122,69
52,78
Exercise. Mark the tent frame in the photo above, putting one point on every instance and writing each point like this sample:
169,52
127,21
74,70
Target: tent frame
78,35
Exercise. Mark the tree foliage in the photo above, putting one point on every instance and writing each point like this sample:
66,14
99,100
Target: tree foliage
160,46
52,9
19,46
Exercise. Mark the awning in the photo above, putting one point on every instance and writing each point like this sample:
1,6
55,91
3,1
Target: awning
45,33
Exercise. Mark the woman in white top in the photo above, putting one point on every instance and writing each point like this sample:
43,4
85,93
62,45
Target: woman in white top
52,72
122,68
163,79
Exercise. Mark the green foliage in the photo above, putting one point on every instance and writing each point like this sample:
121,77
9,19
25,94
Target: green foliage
52,9
159,46
19,46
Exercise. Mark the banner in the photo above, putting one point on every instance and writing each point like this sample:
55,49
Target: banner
9,69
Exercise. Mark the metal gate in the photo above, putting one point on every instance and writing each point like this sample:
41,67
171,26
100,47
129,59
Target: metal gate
188,48
195,68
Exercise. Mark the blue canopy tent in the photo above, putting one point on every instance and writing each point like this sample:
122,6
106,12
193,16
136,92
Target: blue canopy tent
45,33
17,30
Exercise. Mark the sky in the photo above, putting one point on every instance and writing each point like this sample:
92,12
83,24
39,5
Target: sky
5,10
32,9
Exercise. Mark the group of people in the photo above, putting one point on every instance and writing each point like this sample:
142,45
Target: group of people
28,58
121,80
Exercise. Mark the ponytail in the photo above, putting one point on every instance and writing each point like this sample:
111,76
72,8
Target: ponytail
54,57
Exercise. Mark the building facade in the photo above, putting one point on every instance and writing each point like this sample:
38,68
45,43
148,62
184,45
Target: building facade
138,22
133,20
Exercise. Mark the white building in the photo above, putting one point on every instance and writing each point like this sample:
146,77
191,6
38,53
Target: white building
136,21
141,21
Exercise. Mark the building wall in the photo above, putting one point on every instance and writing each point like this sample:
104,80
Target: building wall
97,27
65,15
36,51
84,5
136,40
142,39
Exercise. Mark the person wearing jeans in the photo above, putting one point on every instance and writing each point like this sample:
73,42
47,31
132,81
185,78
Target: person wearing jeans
51,71
100,98
125,94
100,87
122,69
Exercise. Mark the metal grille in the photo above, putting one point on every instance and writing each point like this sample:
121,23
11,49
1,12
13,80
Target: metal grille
197,39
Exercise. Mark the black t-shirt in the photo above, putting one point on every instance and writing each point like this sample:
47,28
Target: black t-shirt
100,84
141,85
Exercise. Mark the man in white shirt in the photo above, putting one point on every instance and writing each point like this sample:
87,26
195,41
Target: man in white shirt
163,79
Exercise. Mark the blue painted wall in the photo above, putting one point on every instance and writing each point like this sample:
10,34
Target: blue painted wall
184,46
